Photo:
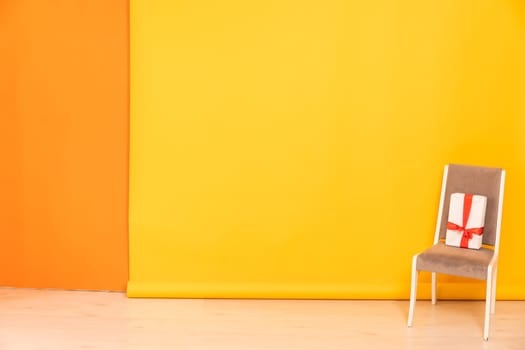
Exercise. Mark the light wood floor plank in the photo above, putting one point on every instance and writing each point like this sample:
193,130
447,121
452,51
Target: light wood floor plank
44,319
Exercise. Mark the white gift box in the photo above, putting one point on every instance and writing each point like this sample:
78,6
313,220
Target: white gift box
476,220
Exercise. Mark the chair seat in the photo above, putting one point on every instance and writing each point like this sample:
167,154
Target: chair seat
455,261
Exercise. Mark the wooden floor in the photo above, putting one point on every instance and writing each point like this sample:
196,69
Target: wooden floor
43,319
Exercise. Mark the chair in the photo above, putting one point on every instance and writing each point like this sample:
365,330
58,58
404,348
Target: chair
479,264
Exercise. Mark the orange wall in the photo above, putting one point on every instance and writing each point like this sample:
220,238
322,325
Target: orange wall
64,143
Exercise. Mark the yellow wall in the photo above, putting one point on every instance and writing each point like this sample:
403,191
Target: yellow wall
295,148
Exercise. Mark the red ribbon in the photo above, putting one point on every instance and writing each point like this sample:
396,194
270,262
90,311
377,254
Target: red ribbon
467,232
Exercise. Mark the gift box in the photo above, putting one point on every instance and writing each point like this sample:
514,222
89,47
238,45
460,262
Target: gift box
466,220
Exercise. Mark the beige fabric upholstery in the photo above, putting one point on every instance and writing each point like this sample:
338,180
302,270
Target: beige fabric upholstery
475,180
455,261
460,261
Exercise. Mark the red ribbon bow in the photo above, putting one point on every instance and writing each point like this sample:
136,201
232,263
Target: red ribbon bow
467,232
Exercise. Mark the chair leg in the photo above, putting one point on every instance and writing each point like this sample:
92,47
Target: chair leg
488,303
413,292
434,288
493,300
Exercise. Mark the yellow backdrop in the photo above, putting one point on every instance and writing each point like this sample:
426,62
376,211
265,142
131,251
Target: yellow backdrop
294,149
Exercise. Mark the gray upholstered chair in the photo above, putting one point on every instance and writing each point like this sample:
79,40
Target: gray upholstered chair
479,264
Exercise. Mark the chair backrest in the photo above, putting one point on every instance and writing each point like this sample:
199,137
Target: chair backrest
484,181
